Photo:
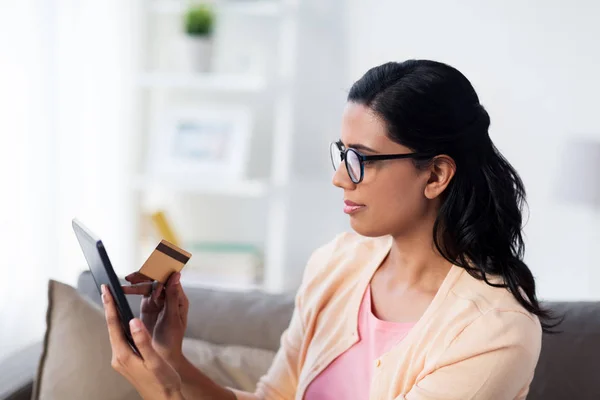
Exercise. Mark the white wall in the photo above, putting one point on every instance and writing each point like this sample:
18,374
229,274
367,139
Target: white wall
25,173
91,80
535,67
321,91
63,129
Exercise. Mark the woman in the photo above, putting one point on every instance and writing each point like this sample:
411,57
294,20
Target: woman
429,299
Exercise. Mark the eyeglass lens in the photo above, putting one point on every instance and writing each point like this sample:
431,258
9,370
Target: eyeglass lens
352,162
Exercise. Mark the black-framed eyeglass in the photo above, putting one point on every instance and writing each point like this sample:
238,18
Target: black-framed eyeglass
355,161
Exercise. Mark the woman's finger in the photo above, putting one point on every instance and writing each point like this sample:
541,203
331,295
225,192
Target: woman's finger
143,342
144,288
184,305
177,298
121,350
157,292
174,279
137,277
172,296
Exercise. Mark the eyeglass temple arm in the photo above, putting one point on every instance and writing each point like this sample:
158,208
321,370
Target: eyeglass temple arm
392,156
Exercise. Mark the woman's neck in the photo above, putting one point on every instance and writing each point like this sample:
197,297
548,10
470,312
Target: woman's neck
414,262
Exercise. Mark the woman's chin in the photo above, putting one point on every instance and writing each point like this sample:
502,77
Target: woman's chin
364,227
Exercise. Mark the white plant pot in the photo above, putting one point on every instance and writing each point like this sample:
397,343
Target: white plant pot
199,53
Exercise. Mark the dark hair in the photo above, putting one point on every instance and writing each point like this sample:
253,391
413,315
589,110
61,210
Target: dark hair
431,107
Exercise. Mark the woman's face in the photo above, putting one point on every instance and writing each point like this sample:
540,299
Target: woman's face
392,195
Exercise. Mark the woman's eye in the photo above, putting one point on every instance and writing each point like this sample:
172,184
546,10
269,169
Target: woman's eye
366,163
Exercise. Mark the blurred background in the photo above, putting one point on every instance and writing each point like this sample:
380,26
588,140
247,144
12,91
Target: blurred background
210,126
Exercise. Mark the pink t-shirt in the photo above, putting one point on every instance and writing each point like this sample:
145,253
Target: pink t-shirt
348,377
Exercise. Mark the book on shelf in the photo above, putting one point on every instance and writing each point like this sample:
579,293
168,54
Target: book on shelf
164,228
227,262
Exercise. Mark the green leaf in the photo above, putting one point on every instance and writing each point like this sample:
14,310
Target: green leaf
199,20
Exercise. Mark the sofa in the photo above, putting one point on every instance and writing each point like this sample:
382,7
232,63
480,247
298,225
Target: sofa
568,367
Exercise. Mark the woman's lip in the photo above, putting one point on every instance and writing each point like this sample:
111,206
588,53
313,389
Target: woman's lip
350,207
352,204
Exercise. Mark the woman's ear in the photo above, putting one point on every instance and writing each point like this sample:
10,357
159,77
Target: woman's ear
441,172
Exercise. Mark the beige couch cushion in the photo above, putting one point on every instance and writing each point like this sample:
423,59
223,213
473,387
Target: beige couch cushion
237,367
75,361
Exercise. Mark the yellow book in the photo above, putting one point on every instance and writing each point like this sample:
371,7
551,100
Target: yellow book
164,228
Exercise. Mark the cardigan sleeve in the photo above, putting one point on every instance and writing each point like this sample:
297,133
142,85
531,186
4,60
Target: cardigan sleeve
281,380
494,357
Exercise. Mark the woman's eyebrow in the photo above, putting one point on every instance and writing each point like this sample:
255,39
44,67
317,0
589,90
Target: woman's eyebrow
359,146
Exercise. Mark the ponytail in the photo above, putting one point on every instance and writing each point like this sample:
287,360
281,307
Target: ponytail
479,228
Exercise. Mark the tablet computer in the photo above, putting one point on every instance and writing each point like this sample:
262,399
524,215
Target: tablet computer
103,274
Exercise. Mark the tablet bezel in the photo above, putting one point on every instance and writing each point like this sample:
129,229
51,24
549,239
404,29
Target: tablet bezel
102,272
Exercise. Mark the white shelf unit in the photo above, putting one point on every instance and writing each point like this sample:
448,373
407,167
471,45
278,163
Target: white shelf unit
245,188
264,8
224,83
271,190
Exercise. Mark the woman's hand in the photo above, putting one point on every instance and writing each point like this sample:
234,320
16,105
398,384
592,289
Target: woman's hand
164,312
151,375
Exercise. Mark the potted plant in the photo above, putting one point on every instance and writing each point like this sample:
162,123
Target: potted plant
198,25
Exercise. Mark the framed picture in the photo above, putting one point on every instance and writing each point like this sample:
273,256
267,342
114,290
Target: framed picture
206,142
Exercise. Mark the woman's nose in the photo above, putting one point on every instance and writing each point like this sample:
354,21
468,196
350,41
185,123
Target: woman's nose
341,178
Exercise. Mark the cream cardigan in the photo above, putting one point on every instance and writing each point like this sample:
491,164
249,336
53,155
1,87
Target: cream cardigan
474,341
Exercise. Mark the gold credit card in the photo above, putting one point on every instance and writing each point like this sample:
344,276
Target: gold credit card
165,260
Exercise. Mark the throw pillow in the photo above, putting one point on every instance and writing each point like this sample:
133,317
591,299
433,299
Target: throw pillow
75,362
